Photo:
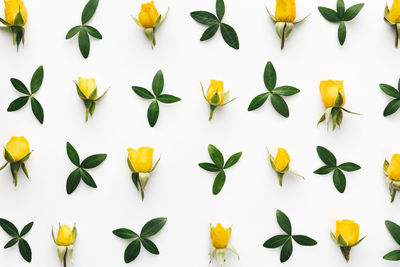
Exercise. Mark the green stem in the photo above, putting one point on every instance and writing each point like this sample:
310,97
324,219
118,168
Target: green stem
283,37
65,258
212,108
397,35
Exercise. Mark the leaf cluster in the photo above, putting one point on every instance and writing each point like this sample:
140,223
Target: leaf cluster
393,105
12,231
394,230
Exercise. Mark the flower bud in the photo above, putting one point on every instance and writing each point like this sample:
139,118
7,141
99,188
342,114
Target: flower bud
349,230
18,148
65,237
12,8
220,236
86,85
394,13
285,10
329,92
148,15
215,93
281,160
393,170
141,159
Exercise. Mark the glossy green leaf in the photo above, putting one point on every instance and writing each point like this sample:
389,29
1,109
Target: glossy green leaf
304,240
18,103
89,10
392,256
339,180
158,83
152,113
232,160
219,182
84,42
73,154
326,156
276,241
25,250
26,229
209,167
340,9
168,99
269,76
87,178
9,227
229,35
72,32
280,105
37,109
132,251
389,90
392,107
286,251
353,11
125,233
93,161
342,32
220,8
37,79
216,156
73,181
153,226
284,222
11,243
329,14
258,101
285,90
394,230
19,86
209,32
324,170
93,32
142,92
349,167
204,17
149,246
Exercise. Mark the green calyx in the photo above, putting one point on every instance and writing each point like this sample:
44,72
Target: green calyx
89,101
15,166
17,29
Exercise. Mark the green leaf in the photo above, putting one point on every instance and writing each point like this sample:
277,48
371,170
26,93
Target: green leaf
353,11
339,180
73,181
276,241
153,226
89,10
326,156
87,178
125,233
285,90
232,160
329,14
18,20
286,251
132,251
324,170
342,33
93,161
18,103
269,76
209,167
153,112
84,42
284,222
392,255
93,32
19,86
26,229
25,250
229,35
168,99
142,92
72,32
73,155
389,90
258,101
209,32
340,9
149,246
11,243
158,83
394,230
219,182
220,8
280,105
349,167
304,240
204,17
9,227
216,156
392,107
37,109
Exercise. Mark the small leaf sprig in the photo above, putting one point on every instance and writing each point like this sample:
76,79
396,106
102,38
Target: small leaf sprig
280,164
16,16
341,15
17,237
276,93
339,180
157,87
393,105
392,18
85,30
285,240
219,166
80,172
394,230
36,83
214,23
151,228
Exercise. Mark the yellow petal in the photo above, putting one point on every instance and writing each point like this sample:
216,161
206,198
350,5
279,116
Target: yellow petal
220,236
394,13
18,147
86,85
141,159
393,170
12,7
64,236
285,10
216,87
329,92
281,160
148,15
349,230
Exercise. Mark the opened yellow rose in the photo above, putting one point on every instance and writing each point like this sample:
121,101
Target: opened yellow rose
329,92
141,159
65,236
393,170
18,147
349,230
285,10
215,93
86,85
220,236
148,15
12,7
394,13
281,160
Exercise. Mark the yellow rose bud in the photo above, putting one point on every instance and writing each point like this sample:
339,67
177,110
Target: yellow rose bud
394,13
281,160
18,147
393,170
220,236
148,15
285,10
86,85
142,159
64,236
349,230
215,93
12,7
329,92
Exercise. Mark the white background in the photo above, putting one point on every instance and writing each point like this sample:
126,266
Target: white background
179,189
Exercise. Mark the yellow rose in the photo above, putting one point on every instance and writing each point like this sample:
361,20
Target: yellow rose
142,159
393,170
394,13
148,15
349,230
329,91
12,7
65,236
281,160
18,147
220,236
86,85
285,10
215,93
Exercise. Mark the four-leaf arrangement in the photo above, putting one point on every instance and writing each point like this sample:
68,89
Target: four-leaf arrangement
17,237
393,105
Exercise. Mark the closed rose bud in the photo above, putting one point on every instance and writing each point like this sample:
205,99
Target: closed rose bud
285,10
215,93
281,160
141,159
349,230
65,236
393,170
12,8
394,13
18,147
148,15
87,85
220,236
329,92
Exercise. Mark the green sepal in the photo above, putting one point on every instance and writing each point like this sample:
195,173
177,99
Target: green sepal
14,166
283,29
2,167
23,167
149,32
8,156
385,167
